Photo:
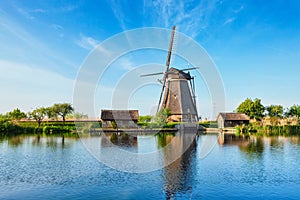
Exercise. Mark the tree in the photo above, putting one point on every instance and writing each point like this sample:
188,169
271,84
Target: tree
62,110
254,109
38,115
146,118
49,112
77,115
275,111
293,111
162,116
16,114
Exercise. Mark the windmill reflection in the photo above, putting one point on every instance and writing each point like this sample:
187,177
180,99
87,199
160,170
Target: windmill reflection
178,175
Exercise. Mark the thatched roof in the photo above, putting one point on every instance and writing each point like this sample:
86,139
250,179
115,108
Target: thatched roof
234,116
111,115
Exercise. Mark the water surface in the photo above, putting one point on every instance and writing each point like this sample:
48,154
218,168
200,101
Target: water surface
33,167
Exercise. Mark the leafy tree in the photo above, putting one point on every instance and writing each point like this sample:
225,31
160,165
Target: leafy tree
49,112
3,117
77,115
16,114
114,125
254,109
62,110
293,111
146,118
162,116
274,121
275,111
38,115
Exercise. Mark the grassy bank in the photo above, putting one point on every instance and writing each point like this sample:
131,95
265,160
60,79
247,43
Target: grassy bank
268,130
8,127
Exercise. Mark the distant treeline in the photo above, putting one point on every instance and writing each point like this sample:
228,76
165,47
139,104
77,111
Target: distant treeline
268,130
14,122
256,110
272,120
10,127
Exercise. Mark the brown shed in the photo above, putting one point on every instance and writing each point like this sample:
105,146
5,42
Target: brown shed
122,118
232,119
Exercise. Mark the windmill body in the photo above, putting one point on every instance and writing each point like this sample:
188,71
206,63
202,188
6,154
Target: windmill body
179,97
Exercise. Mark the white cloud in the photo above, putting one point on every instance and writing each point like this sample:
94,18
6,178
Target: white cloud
69,8
117,10
228,21
25,13
86,42
189,20
57,27
125,63
239,9
39,10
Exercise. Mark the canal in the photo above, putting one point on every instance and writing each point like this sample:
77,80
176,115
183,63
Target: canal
43,167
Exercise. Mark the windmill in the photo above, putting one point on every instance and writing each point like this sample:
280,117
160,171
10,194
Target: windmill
178,91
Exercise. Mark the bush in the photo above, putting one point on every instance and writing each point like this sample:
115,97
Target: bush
209,124
237,130
54,130
96,125
171,124
286,130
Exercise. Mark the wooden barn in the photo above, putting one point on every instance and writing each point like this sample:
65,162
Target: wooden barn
119,118
226,120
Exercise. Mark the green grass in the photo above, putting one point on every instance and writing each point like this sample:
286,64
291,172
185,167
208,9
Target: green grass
268,130
209,124
8,127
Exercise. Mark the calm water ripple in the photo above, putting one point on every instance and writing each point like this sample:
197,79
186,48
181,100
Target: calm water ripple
33,167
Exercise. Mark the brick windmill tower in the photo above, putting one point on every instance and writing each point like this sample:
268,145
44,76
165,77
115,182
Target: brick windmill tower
178,91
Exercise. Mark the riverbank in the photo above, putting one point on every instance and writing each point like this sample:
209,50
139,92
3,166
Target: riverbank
29,127
91,126
95,127
265,130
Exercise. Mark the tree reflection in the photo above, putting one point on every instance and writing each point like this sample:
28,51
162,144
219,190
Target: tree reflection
2,138
56,142
15,141
295,140
51,142
255,147
276,143
37,140
163,139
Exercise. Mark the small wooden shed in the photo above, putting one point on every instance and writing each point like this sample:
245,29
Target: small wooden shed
119,118
226,120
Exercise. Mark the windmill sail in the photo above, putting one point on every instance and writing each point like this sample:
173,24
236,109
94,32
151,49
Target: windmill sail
168,66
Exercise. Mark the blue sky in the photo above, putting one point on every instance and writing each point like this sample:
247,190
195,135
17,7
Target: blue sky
254,44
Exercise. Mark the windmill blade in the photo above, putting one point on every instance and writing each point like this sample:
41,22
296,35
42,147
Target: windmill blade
168,66
170,48
186,69
158,73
